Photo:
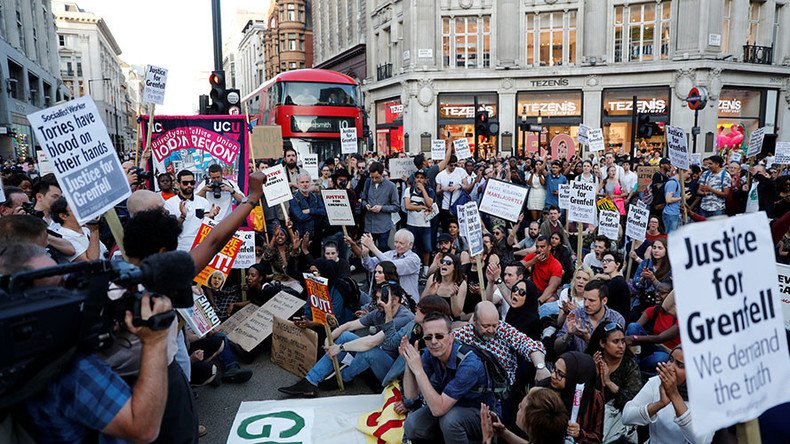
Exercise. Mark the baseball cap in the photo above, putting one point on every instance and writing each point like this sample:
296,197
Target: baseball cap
444,237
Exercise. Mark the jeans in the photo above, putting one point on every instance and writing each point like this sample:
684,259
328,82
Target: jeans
650,355
671,222
459,425
706,213
549,309
422,239
382,240
375,359
396,371
226,356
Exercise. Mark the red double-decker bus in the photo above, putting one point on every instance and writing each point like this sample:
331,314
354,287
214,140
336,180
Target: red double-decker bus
311,106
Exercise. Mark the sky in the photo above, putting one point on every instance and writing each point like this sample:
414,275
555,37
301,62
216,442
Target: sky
172,34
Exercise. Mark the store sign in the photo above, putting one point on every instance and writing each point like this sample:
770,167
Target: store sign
550,82
729,107
656,105
453,111
551,109
318,124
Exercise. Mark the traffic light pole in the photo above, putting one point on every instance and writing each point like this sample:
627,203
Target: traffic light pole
216,24
634,115
477,142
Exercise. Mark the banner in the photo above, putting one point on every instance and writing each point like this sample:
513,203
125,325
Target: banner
401,167
756,142
266,142
581,206
609,224
384,425
734,343
246,256
277,190
636,224
595,139
195,143
502,199
84,160
216,272
338,207
438,149
462,150
154,87
784,292
678,147
348,140
310,164
318,297
564,196
252,324
473,228
293,349
201,317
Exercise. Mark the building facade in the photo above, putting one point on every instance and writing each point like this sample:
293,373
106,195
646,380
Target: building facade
339,35
288,38
29,71
90,65
568,62
250,57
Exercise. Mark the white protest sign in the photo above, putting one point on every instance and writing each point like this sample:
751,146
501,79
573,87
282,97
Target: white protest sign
246,255
310,164
756,142
770,161
734,344
85,162
348,140
784,292
474,230
695,158
401,167
678,147
438,149
462,150
564,196
609,224
736,156
154,88
338,207
782,153
2,192
200,317
636,224
581,203
595,139
502,199
277,190
584,130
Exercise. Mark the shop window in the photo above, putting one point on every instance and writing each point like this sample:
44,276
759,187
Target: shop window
466,42
641,32
726,22
551,38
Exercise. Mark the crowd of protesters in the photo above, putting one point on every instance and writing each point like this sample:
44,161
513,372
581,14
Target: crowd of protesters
412,307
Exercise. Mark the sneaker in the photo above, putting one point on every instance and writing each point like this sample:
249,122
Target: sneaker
236,375
302,389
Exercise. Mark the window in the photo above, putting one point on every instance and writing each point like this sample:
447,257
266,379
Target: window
641,32
291,12
79,69
466,42
292,42
754,24
16,80
726,22
551,38
21,31
61,40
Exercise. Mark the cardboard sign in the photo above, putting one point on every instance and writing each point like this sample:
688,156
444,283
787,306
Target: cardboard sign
636,224
277,189
318,297
255,324
401,167
154,87
564,196
201,317
246,256
338,207
584,131
438,149
644,175
736,157
695,158
609,224
85,162
783,272
678,147
310,164
216,272
734,344
595,139
462,150
782,153
266,142
474,230
756,142
502,199
581,205
348,140
293,349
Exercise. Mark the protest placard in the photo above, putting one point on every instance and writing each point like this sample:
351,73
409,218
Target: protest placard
348,140
277,190
502,199
401,167
216,272
756,142
154,87
200,317
636,224
783,272
582,138
474,230
85,161
462,150
266,142
338,207
609,224
293,348
318,297
253,324
581,204
734,344
438,149
736,156
678,147
695,158
564,196
246,256
644,175
310,164
595,139
782,153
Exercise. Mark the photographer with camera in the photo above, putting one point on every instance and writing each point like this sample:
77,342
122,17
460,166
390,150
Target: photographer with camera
15,199
220,191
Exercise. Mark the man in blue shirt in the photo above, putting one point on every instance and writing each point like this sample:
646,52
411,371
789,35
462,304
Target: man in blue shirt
448,386
306,209
553,182
671,213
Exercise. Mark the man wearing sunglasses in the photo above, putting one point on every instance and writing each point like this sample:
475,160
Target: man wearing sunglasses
189,209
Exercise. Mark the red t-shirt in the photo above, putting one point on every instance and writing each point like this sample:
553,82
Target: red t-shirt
543,271
664,320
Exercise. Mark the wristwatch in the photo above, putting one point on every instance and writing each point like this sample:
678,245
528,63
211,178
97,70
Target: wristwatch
246,199
342,347
540,365
498,281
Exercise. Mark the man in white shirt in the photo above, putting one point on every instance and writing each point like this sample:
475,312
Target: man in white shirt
449,183
84,239
609,161
189,209
629,181
220,191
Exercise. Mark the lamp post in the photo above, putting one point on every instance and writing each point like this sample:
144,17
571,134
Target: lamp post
540,131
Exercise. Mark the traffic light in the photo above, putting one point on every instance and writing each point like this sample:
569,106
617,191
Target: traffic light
218,103
481,123
232,101
493,127
645,128
204,104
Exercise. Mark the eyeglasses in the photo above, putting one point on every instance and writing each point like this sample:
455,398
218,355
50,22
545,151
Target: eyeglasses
606,260
446,262
430,338
612,326
519,291
560,374
187,182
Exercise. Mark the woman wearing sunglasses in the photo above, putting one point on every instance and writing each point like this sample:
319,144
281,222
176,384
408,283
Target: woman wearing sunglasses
621,378
448,282
523,309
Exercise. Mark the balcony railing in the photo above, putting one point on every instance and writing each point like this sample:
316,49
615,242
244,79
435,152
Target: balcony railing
384,71
67,73
762,55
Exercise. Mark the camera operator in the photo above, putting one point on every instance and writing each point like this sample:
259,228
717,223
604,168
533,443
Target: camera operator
87,397
220,191
15,198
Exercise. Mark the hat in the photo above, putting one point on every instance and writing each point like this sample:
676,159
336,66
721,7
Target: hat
420,171
664,161
340,172
444,237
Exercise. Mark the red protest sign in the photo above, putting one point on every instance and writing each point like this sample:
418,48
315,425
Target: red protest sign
318,295
216,272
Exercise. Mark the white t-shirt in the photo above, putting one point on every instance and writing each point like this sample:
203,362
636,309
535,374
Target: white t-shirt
79,241
629,181
191,225
446,179
224,202
593,262
416,218
619,174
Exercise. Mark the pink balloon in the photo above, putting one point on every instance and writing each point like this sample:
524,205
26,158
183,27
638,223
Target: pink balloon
736,139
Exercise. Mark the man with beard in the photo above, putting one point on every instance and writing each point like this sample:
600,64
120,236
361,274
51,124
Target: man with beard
291,169
307,210
527,245
189,209
580,323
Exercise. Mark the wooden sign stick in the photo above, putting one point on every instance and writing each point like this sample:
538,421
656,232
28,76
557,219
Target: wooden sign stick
137,139
336,364
683,197
116,228
480,276
150,131
630,260
579,240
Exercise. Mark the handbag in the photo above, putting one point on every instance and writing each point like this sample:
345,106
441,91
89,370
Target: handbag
463,199
613,428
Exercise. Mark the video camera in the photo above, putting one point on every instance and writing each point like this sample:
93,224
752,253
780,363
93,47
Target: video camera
39,325
30,208
142,175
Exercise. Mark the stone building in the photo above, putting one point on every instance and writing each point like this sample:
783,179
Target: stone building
288,39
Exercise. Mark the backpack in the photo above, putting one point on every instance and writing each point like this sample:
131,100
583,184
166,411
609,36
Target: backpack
498,382
349,290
